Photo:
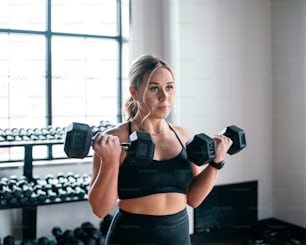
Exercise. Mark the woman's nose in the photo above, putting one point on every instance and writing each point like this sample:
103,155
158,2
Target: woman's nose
162,94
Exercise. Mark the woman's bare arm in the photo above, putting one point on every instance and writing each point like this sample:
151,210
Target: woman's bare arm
103,194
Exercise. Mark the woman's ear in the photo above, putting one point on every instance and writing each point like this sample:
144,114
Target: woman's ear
133,92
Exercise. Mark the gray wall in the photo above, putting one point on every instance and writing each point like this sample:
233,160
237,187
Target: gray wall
236,62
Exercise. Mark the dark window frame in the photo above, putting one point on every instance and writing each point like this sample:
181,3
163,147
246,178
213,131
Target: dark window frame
48,34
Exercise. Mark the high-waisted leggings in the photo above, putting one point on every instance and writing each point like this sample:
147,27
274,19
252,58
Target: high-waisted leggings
139,229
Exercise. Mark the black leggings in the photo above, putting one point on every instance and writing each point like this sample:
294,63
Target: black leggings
139,229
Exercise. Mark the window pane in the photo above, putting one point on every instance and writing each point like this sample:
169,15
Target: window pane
11,153
84,79
23,14
85,16
4,101
22,80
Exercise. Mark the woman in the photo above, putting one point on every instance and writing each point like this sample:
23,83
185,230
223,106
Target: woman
152,199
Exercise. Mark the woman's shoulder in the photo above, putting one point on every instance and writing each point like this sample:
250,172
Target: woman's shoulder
121,130
182,131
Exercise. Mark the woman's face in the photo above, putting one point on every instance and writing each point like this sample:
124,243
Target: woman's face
157,95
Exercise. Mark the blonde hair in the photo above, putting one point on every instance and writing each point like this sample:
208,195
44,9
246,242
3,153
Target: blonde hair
139,68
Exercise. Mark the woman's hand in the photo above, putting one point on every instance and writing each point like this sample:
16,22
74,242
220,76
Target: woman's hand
107,147
223,144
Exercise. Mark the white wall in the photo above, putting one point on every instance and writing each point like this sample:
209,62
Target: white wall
220,51
146,18
288,53
240,62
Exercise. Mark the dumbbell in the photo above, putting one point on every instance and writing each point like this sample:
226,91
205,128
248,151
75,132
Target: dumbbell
78,191
68,188
58,234
28,242
70,177
9,240
79,137
74,181
105,224
5,191
15,133
41,194
84,182
12,183
69,238
65,237
25,186
61,192
202,148
23,134
9,191
39,133
61,178
45,241
9,134
91,235
51,195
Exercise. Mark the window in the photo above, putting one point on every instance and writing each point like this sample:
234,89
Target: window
61,61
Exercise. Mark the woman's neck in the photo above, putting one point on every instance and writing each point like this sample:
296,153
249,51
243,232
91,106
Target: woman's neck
154,127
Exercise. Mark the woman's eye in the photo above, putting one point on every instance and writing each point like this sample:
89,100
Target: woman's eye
170,87
154,89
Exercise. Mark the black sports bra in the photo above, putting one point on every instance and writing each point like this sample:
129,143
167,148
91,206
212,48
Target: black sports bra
171,175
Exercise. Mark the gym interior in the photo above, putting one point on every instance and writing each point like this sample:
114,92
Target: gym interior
236,62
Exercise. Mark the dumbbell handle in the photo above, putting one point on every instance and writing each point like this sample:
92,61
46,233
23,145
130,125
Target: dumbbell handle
124,145
139,153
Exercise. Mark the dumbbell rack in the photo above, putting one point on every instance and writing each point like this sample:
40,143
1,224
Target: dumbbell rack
29,212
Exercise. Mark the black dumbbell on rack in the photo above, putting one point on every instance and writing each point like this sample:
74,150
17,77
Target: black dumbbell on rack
105,224
25,186
86,233
13,185
54,187
79,137
67,236
202,148
9,240
9,191
8,135
51,195
75,185
70,186
5,192
84,182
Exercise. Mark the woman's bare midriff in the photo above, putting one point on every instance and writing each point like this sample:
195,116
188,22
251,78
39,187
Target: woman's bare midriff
156,204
